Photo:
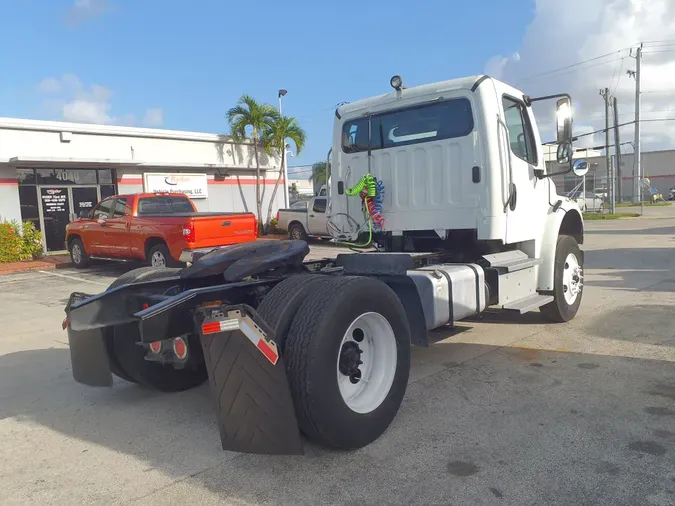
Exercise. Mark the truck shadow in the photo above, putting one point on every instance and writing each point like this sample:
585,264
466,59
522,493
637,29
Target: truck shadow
489,414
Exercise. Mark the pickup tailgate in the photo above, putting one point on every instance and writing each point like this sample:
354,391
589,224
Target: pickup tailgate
222,229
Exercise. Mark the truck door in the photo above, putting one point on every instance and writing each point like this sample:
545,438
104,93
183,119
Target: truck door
94,233
521,183
117,234
316,217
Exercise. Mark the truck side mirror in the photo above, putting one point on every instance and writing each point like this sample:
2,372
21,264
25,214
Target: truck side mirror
563,114
580,168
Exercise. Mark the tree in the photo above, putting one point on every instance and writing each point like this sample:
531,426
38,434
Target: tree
275,140
320,173
249,114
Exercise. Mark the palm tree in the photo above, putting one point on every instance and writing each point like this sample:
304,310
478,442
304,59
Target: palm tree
249,114
275,140
320,173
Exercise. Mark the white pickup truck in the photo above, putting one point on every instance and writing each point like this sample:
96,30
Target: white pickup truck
305,219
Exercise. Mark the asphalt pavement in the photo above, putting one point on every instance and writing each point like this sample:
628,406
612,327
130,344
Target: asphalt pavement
504,409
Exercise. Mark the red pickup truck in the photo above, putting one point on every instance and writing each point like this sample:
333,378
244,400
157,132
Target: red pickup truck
161,228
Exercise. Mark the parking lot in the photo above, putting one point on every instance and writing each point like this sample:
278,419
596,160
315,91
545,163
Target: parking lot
502,410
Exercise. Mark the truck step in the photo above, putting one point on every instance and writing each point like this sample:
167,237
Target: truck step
510,261
529,303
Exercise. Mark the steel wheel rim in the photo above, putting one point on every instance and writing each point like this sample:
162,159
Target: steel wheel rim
372,334
158,259
295,233
572,279
77,253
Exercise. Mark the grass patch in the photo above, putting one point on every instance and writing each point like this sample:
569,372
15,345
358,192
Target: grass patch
617,216
646,204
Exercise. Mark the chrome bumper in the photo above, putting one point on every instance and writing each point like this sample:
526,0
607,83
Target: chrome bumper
188,255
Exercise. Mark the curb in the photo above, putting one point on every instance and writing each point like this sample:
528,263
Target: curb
32,265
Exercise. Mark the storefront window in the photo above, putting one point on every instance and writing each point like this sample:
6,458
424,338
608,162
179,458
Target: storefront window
66,176
107,190
28,201
25,176
105,176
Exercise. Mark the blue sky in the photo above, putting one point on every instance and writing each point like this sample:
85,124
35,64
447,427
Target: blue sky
181,65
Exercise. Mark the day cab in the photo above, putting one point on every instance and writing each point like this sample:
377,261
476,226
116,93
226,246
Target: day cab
160,228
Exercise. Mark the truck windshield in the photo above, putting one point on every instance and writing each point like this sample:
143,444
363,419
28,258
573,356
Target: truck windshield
164,205
422,123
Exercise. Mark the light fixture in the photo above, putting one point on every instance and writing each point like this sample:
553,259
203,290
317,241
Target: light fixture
396,82
282,93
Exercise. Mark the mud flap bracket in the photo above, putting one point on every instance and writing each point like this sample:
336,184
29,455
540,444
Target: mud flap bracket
248,382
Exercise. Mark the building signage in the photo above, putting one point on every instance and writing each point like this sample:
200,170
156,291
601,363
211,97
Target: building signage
54,200
194,186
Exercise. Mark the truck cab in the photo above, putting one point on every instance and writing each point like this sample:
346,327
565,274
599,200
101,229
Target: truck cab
462,168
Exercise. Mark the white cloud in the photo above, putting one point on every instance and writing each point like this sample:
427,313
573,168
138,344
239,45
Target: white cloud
85,10
69,99
578,30
154,117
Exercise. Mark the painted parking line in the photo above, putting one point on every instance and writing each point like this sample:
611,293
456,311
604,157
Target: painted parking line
81,280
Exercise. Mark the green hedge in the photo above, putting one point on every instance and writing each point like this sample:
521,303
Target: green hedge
15,246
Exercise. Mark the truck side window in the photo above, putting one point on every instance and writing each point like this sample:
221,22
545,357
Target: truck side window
520,130
120,208
102,210
319,206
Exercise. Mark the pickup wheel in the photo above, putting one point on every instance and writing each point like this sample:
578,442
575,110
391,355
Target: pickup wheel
568,278
128,278
347,359
297,232
78,255
159,257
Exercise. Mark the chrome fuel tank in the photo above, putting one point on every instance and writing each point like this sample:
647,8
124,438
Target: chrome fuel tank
449,292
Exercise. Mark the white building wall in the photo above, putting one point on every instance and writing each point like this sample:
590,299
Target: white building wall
133,152
71,142
9,195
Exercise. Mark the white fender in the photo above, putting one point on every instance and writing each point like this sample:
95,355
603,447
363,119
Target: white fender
566,219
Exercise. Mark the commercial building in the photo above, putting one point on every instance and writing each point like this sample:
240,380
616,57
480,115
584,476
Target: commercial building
658,167
51,171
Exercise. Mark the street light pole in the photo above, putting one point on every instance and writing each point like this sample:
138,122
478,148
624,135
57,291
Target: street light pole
282,93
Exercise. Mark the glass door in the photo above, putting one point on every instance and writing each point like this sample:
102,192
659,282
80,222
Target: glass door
55,205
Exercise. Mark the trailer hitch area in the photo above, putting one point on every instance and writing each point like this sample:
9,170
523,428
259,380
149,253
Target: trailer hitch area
248,382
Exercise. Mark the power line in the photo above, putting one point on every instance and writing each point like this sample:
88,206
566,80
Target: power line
547,73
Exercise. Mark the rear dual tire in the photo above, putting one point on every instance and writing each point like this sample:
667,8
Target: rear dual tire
127,357
342,329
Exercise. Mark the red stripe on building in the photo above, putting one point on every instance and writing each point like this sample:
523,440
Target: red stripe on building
9,181
230,181
233,181
130,180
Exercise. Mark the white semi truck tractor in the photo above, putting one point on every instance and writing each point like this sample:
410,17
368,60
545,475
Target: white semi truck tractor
443,195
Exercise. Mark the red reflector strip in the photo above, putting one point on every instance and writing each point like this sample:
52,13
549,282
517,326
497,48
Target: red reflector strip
267,350
65,323
211,328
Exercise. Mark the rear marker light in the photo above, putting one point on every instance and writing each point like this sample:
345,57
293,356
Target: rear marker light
156,347
145,306
66,323
180,348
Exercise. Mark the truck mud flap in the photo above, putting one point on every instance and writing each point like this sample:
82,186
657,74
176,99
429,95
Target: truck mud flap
248,381
89,357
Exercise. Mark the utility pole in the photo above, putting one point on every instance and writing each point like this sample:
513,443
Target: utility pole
637,168
617,153
604,93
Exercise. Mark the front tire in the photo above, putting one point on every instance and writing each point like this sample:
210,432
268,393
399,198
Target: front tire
78,255
568,281
347,357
